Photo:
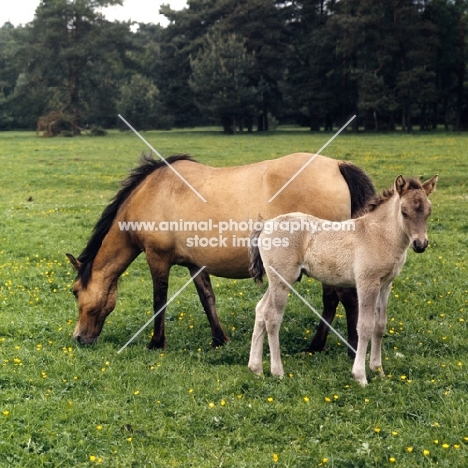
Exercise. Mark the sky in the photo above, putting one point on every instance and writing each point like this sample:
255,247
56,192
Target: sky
142,11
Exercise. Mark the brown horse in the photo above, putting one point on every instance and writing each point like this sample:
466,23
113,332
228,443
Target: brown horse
158,213
369,257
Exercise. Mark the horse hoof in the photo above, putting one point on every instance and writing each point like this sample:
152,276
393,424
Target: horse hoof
156,345
219,341
312,348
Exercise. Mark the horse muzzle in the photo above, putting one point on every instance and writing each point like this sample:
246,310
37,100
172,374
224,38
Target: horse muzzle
419,246
85,340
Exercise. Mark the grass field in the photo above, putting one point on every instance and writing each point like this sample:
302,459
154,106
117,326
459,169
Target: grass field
191,406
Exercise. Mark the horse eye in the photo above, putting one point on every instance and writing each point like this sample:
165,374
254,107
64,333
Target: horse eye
405,215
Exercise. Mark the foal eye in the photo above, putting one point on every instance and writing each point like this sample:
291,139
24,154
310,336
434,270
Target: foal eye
405,215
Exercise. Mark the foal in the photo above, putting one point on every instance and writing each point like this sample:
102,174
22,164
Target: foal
369,258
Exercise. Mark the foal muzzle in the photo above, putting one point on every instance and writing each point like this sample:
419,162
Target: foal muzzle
419,246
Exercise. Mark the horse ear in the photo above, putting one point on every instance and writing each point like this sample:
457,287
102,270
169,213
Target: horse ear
429,185
400,183
75,262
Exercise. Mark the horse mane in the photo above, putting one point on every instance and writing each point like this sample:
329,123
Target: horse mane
360,186
378,200
147,166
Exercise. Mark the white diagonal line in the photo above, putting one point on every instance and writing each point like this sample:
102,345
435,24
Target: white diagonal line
314,311
168,165
161,309
312,158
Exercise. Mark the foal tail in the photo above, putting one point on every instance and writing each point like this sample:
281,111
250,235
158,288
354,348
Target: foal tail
256,268
361,188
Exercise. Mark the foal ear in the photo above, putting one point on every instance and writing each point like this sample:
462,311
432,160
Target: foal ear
400,183
74,261
429,185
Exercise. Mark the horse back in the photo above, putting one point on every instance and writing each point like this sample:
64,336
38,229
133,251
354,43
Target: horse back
238,194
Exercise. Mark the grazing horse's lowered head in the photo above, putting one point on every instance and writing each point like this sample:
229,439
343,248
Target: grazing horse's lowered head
95,306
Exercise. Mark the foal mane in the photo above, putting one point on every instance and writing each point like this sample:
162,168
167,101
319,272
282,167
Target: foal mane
378,200
147,166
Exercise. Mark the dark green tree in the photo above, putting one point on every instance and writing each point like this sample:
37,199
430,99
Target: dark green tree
71,48
222,84
139,104
261,26
312,78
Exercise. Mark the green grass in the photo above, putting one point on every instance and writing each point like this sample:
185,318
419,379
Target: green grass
190,406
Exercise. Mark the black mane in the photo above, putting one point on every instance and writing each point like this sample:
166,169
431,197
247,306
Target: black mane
147,166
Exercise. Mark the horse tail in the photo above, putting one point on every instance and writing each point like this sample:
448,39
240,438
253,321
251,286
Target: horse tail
256,268
361,188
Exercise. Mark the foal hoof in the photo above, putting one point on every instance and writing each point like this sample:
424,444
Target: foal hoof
256,369
360,379
378,370
362,382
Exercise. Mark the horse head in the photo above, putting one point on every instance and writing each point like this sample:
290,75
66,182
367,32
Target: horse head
95,303
415,208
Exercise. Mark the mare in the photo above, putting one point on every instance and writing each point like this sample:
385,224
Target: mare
156,212
368,257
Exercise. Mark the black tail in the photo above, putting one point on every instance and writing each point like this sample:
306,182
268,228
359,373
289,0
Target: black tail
256,268
361,188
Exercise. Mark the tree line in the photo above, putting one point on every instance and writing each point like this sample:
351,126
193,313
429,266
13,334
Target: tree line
245,64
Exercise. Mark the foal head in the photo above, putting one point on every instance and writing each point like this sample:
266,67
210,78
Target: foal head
415,208
95,303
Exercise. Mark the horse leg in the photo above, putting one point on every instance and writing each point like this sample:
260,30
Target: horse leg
330,303
379,330
256,347
348,297
207,298
368,295
160,275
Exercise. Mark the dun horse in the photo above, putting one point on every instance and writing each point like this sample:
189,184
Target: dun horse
155,195
369,258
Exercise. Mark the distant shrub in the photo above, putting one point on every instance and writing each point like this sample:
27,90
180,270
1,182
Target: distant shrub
55,123
97,131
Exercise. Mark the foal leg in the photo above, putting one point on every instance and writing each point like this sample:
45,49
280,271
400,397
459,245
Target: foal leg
160,275
379,330
256,347
273,317
207,298
368,295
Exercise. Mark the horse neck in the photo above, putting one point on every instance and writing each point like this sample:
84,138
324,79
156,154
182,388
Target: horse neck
385,221
114,256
